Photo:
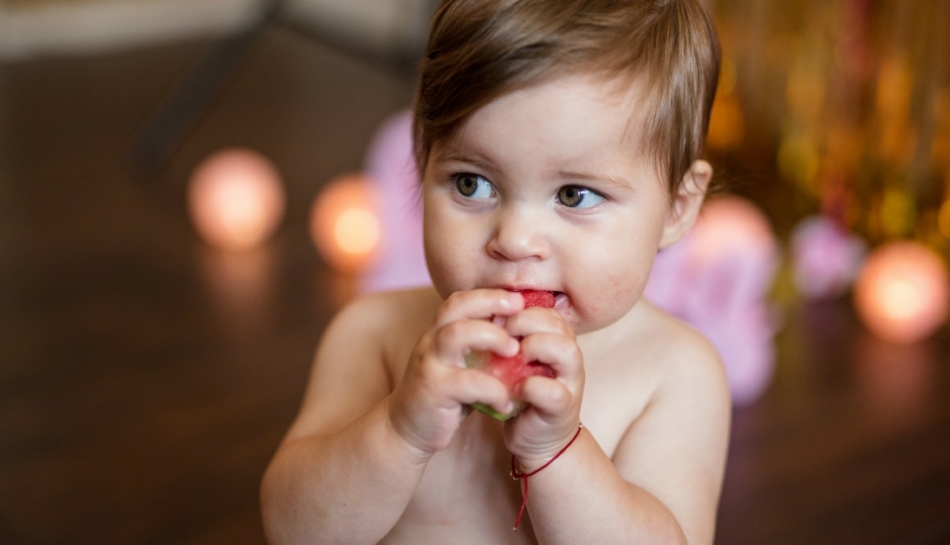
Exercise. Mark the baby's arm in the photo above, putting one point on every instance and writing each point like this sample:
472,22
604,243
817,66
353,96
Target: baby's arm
353,458
663,483
341,461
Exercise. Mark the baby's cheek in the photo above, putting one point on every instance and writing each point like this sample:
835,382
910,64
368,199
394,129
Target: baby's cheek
441,259
624,291
445,277
614,297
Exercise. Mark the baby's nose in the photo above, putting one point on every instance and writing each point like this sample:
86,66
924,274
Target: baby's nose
518,235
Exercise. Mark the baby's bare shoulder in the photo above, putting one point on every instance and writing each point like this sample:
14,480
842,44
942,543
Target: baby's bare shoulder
676,447
384,312
659,352
389,323
654,366
361,355
678,353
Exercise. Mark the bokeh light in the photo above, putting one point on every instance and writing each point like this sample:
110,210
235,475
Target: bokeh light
235,199
344,223
902,294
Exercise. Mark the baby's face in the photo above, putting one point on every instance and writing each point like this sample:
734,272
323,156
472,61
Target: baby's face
544,188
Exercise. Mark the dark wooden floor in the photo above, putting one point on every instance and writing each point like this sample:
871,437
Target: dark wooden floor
145,380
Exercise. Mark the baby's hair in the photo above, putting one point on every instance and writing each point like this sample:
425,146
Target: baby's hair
479,50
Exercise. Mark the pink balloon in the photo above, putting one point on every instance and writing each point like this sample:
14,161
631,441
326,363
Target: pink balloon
400,261
825,258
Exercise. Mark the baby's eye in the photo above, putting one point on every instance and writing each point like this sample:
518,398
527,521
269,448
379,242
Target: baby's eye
474,186
574,196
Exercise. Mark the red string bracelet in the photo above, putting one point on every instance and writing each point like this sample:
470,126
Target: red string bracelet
518,475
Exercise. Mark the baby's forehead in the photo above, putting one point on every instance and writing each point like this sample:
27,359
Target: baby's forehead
627,99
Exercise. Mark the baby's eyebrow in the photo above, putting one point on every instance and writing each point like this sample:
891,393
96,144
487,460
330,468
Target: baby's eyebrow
455,156
575,176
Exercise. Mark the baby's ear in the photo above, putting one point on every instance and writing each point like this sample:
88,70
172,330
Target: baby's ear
686,203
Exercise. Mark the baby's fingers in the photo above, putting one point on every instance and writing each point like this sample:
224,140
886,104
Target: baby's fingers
478,304
548,397
468,386
457,339
558,351
537,320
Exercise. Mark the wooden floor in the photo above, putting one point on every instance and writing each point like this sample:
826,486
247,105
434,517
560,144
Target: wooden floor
145,381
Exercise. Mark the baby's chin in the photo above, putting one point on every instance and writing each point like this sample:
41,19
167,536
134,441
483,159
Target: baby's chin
580,325
589,318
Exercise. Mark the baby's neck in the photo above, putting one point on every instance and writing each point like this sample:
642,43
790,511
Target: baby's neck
595,344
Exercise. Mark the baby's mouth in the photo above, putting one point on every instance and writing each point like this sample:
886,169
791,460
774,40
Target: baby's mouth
535,297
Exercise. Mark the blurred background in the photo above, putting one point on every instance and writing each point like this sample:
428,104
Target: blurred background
189,189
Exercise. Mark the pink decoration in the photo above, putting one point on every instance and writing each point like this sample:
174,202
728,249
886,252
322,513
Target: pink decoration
902,294
825,258
717,279
728,263
400,261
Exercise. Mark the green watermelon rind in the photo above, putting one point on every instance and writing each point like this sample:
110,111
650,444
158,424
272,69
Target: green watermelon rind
482,408
477,360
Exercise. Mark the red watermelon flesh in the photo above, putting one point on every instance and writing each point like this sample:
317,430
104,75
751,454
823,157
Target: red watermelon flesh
511,371
538,298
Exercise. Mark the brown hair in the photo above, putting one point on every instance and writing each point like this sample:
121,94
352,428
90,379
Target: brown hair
479,50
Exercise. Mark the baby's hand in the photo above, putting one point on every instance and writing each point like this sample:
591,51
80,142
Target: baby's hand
553,413
435,394
512,370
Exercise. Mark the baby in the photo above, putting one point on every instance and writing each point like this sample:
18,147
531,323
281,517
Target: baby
558,143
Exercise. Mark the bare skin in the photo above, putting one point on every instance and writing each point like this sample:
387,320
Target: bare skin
385,447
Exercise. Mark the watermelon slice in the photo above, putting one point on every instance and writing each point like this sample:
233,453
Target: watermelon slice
511,371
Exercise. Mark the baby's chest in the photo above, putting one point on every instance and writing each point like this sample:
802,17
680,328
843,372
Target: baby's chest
473,470
467,492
